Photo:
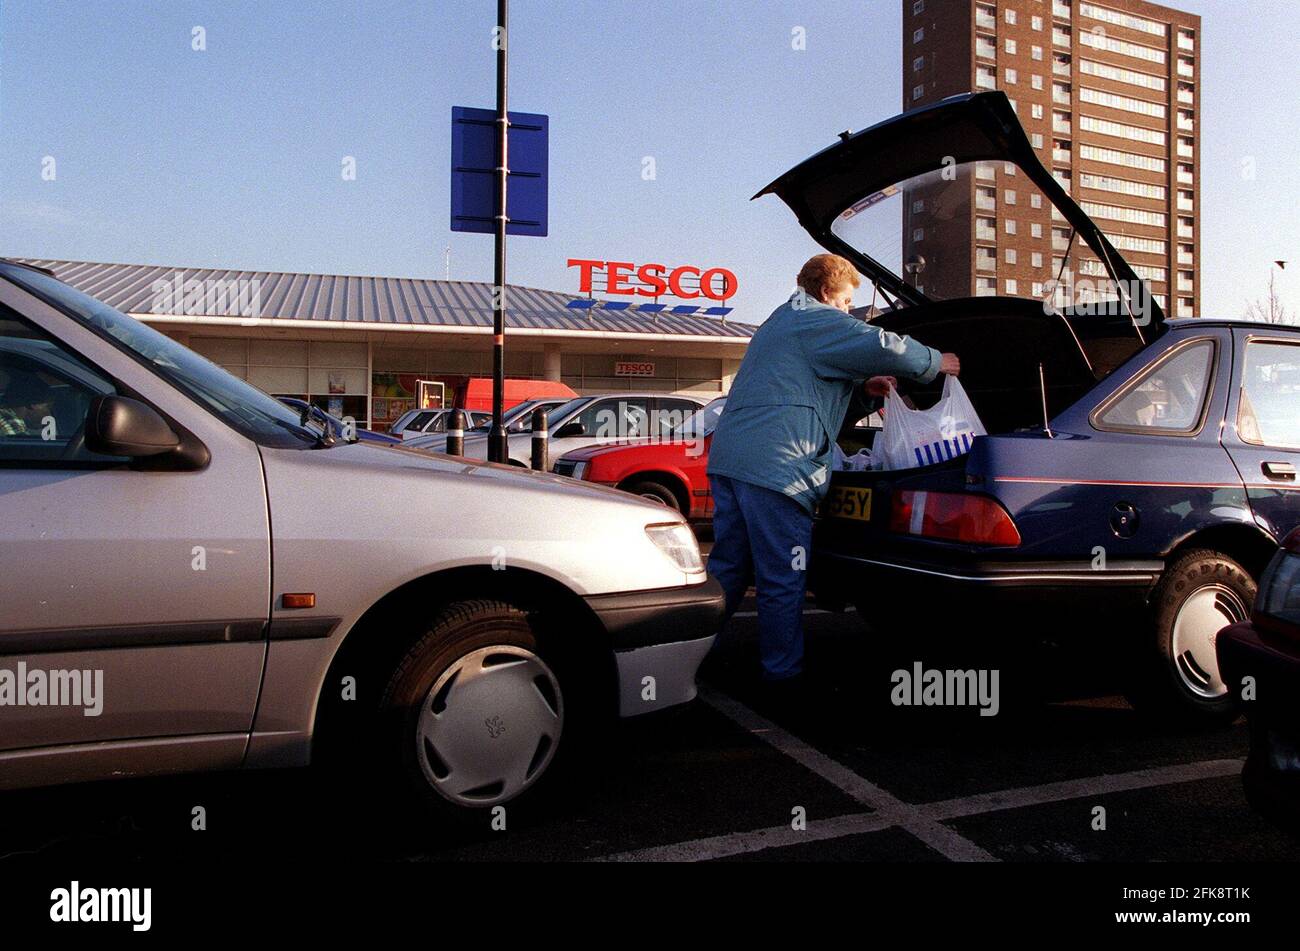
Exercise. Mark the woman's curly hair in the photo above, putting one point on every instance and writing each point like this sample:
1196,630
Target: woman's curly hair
826,272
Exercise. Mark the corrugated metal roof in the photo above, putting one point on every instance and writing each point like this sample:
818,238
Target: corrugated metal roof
347,299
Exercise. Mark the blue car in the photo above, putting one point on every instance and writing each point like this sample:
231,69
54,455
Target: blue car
1138,472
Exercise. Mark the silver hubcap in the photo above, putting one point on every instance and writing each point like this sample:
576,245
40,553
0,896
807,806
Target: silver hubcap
489,726
1206,612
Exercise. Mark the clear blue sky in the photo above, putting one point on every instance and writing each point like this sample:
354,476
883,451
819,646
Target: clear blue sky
232,157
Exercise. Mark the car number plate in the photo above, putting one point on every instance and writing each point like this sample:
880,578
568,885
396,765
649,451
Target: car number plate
847,502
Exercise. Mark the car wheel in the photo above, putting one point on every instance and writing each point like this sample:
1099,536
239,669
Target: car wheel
1177,670
474,713
656,492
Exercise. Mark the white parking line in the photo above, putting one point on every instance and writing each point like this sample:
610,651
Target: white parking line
939,837
738,843
924,821
1103,785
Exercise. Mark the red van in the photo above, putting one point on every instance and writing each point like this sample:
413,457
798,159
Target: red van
476,392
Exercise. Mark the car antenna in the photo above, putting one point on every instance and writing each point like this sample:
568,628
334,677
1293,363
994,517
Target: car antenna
1042,388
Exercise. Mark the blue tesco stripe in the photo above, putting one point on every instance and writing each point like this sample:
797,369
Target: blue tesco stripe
943,449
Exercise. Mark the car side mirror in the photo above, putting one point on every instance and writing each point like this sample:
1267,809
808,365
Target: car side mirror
121,426
575,428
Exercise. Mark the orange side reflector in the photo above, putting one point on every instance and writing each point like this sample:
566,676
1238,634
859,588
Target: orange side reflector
307,600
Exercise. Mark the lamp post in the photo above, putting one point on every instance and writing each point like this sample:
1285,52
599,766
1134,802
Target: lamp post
497,447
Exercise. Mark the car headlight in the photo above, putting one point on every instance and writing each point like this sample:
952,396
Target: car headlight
677,541
579,470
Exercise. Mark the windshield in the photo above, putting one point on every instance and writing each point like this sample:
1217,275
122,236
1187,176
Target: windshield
255,414
556,415
516,419
978,229
702,422
402,420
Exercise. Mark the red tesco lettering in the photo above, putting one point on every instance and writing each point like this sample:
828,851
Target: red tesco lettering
654,280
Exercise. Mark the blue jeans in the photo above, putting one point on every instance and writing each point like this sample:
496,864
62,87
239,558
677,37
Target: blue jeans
766,536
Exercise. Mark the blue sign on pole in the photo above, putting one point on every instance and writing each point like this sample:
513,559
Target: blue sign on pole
473,171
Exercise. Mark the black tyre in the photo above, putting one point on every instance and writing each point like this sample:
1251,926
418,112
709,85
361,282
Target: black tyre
474,714
655,492
1175,672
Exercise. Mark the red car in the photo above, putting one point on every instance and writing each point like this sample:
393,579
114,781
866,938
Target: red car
668,470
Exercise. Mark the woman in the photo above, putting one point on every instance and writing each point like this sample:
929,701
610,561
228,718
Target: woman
769,464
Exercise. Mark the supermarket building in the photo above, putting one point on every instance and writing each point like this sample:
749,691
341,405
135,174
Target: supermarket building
355,345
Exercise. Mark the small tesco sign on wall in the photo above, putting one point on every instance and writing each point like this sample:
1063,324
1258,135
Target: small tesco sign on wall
633,368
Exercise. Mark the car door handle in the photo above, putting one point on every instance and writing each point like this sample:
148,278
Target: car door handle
1284,471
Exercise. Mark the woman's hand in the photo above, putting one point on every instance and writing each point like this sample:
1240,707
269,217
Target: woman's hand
949,364
880,386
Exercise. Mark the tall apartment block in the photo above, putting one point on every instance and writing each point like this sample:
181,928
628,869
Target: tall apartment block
1108,94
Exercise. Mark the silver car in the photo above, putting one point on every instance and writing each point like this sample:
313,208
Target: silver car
585,421
517,419
193,579
418,422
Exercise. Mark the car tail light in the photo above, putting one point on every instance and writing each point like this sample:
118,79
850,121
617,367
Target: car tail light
954,516
1277,606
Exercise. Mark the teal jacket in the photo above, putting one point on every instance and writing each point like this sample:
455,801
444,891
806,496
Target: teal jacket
793,389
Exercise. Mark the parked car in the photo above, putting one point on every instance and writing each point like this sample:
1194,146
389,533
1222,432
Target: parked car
248,590
1137,473
418,422
589,421
517,419
338,428
1260,663
670,471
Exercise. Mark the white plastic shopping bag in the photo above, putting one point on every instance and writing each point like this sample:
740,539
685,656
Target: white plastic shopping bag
858,462
923,437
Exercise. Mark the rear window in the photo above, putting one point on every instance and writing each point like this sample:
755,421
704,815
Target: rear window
1169,396
984,229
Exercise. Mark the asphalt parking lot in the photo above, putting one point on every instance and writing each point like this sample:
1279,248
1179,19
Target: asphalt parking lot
843,774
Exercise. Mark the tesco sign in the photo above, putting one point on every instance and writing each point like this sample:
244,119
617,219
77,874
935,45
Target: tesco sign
653,280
